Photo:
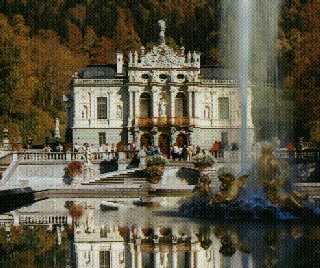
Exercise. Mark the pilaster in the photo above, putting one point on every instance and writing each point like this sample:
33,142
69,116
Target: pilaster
172,96
155,103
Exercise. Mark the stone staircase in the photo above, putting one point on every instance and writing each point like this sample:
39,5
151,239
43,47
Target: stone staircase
135,176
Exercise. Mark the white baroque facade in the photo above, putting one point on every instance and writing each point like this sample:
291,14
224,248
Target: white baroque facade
161,96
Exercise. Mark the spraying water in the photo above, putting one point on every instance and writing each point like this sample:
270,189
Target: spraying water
250,31
244,54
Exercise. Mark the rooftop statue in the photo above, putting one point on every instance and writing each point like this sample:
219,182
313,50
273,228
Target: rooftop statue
162,25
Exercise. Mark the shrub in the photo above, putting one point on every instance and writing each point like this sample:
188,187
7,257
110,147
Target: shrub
203,161
154,173
156,160
73,169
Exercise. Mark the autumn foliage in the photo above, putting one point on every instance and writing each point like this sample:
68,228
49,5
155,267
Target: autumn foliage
39,56
73,169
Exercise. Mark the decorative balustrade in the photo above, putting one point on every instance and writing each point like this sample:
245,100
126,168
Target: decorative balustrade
165,121
67,156
43,219
145,122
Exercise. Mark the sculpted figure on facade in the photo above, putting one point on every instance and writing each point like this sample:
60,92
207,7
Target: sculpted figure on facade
162,107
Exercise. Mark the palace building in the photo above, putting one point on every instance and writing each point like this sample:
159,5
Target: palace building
160,97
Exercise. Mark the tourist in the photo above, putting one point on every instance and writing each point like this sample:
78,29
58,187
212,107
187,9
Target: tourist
190,152
102,148
215,149
176,152
172,152
132,149
184,153
194,150
156,150
221,149
198,150
76,148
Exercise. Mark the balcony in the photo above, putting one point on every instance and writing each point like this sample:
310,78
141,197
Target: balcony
165,121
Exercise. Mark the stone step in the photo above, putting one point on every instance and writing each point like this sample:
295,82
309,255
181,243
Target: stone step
115,182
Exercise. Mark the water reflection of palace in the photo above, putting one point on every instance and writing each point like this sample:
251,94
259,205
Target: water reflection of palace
135,237
164,243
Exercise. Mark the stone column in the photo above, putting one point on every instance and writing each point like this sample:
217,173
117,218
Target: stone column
213,108
190,106
174,257
154,133
131,107
217,254
172,97
155,103
136,106
108,107
192,259
133,256
156,251
92,109
138,254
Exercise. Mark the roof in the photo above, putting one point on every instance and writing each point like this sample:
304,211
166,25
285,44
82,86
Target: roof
107,71
217,73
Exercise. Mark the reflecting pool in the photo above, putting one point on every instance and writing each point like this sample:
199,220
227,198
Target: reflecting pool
91,232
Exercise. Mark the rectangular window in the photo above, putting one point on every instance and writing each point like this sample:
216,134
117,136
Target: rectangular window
105,259
102,107
224,138
102,138
224,108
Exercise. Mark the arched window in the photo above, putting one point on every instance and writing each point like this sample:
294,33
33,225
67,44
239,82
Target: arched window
181,105
145,105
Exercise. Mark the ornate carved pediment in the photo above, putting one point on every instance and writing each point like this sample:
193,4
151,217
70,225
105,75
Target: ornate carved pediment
162,57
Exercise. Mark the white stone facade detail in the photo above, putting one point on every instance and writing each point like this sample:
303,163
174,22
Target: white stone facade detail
162,90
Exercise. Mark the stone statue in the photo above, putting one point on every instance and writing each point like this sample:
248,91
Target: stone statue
275,193
57,129
162,25
162,108
130,58
119,111
273,185
229,189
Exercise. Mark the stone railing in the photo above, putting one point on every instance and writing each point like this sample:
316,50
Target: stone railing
145,122
44,219
63,156
98,81
165,121
220,82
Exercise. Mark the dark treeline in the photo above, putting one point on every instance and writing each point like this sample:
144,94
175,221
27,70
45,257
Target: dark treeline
42,43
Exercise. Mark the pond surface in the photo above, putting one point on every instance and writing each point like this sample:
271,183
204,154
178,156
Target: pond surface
91,233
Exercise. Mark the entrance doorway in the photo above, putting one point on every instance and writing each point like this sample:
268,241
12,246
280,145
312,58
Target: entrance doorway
164,144
182,140
145,140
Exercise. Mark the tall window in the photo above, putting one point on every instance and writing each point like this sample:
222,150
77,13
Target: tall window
224,108
102,138
105,259
102,107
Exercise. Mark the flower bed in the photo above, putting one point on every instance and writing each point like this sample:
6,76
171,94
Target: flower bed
203,161
156,160
155,168
73,169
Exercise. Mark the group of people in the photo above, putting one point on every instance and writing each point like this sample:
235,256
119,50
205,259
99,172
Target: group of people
184,152
217,149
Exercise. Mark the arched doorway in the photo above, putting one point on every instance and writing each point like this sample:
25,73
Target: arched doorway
164,144
145,140
181,140
145,105
181,105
